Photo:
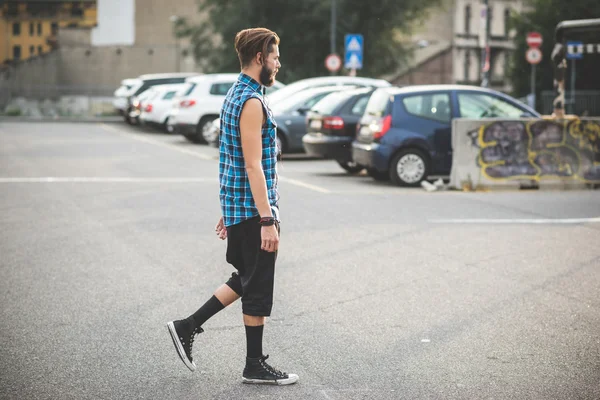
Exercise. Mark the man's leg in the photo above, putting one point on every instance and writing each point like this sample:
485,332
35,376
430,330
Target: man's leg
257,302
183,331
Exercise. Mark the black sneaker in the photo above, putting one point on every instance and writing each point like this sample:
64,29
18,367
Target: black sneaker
183,339
257,371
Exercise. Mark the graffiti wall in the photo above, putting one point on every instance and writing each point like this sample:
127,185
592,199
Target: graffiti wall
500,152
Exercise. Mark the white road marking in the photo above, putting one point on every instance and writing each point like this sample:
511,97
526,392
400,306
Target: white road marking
145,139
305,185
205,157
518,221
108,179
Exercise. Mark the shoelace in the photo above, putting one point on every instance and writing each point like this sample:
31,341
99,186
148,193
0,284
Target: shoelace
272,370
195,332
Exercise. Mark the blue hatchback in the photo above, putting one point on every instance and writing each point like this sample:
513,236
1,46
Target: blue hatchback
405,133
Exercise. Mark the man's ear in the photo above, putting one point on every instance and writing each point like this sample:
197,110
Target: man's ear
259,58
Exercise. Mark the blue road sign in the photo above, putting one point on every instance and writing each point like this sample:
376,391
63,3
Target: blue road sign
574,50
353,58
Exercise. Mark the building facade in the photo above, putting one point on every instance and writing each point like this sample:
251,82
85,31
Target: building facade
454,30
28,28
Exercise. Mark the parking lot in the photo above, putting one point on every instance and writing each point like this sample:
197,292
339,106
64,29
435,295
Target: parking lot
381,292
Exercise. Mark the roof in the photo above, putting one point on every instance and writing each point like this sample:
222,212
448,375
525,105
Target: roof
435,88
212,77
167,75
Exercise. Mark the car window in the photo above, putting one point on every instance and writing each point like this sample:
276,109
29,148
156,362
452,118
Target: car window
169,95
434,106
479,105
359,107
220,89
329,103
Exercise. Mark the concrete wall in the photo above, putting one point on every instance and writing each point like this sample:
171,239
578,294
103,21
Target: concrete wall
116,23
436,70
514,153
35,77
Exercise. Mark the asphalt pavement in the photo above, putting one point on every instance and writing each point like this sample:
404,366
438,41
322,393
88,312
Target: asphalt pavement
381,292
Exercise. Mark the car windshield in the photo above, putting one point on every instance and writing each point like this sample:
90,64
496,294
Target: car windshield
295,101
329,103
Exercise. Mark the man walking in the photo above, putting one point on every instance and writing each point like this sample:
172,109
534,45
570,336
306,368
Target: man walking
249,206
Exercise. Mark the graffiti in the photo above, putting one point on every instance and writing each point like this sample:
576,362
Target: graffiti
539,149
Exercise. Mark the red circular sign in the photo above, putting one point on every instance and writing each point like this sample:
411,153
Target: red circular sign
333,62
534,39
533,55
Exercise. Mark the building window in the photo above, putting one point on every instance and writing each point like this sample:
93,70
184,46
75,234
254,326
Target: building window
54,28
16,52
31,29
39,26
16,29
31,51
467,19
506,22
467,65
40,50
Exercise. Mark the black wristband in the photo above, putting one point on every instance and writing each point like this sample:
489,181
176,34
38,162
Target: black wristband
267,221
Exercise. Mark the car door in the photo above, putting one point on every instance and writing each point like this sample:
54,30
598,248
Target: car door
429,116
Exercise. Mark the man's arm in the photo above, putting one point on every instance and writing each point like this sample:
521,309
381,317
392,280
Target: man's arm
251,134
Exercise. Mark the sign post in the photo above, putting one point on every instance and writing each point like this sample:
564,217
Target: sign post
574,52
353,57
533,55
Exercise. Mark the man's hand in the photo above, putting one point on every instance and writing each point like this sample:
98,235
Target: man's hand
221,230
269,238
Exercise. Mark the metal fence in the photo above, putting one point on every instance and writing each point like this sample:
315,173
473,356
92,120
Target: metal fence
584,103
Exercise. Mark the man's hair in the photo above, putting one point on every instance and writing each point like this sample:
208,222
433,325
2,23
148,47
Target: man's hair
250,42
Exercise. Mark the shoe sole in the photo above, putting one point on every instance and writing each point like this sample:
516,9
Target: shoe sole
179,347
282,382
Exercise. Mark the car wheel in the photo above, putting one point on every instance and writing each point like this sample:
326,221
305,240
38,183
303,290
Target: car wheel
409,167
350,166
168,127
205,128
378,176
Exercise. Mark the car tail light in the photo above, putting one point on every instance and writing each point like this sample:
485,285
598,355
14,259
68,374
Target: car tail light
380,128
148,108
187,103
334,123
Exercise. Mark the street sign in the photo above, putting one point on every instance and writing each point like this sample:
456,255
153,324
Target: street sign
534,39
574,50
333,62
533,55
353,58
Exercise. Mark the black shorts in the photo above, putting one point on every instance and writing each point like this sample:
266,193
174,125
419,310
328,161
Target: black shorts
255,275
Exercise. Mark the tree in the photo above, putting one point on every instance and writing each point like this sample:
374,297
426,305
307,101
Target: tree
304,29
543,17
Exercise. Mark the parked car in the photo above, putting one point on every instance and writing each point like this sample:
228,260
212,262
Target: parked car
137,104
143,83
158,104
405,133
320,81
290,115
201,104
331,126
128,88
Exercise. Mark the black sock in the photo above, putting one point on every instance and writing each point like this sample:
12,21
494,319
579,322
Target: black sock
210,308
254,336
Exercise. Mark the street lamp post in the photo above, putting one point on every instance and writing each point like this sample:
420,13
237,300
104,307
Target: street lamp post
483,43
174,19
333,28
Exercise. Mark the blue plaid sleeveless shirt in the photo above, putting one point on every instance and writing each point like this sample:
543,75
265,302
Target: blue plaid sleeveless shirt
237,203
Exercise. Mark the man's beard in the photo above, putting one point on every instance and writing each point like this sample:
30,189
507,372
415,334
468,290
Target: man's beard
266,76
